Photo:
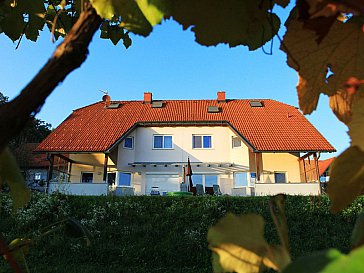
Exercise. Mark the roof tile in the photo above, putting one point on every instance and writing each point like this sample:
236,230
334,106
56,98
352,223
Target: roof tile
274,127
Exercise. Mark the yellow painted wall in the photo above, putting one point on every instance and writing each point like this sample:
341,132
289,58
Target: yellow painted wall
95,159
281,162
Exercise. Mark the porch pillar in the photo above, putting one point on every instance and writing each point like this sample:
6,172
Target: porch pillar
50,170
317,172
105,167
69,171
257,165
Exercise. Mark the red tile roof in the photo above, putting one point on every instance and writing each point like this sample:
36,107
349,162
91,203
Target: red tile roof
274,127
324,165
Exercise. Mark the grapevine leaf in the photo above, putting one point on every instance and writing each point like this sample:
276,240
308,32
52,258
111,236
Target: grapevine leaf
10,173
340,104
314,263
340,52
132,17
19,247
282,3
357,236
12,24
238,244
36,23
352,263
233,22
356,126
346,178
154,10
127,41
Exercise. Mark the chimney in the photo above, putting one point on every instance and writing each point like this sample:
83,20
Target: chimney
147,97
221,96
106,99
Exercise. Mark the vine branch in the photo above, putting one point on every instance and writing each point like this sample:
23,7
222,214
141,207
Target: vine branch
68,56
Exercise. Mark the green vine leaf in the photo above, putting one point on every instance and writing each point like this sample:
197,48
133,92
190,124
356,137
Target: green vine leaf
23,17
346,178
10,173
238,245
315,262
232,22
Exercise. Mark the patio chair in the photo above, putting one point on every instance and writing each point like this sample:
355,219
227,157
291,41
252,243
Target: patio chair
199,190
183,187
216,189
155,191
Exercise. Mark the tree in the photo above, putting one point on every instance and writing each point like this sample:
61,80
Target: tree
34,131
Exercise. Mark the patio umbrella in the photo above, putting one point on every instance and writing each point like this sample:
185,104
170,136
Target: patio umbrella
189,174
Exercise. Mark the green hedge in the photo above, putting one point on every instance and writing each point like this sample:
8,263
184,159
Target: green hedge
160,234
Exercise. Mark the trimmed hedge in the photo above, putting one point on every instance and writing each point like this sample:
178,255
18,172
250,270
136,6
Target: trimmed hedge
160,234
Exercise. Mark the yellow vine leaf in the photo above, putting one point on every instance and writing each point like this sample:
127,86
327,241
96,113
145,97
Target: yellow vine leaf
346,178
19,247
238,245
340,52
356,126
10,173
133,18
340,104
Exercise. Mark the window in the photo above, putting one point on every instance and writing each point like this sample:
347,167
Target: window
197,179
280,177
129,143
162,142
210,180
207,180
87,177
240,180
111,177
124,179
37,176
201,142
236,142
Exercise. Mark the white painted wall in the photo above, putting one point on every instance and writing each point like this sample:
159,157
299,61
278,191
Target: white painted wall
221,150
79,188
287,188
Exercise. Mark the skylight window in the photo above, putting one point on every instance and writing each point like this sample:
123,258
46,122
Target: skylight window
213,109
256,103
113,105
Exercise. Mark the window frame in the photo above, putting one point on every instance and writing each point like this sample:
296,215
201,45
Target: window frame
163,142
132,143
82,173
118,179
248,183
285,177
202,142
203,176
232,142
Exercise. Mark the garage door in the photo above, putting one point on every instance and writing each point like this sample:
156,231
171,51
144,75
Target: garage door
165,182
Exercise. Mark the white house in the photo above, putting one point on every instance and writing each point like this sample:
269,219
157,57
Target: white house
246,147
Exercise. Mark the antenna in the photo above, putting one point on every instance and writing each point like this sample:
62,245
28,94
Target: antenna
105,92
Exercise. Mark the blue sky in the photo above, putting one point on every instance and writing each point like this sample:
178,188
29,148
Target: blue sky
168,63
